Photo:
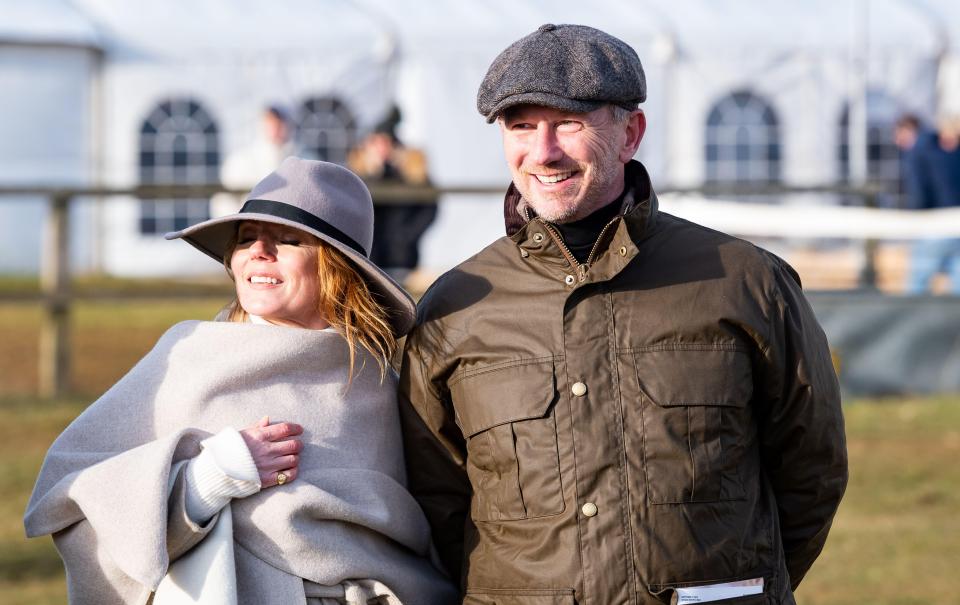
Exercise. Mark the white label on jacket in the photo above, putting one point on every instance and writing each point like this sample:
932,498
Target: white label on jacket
718,592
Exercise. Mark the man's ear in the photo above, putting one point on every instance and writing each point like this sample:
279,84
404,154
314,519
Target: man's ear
635,126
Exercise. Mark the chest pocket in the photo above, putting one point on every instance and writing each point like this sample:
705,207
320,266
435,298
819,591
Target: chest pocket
507,416
695,423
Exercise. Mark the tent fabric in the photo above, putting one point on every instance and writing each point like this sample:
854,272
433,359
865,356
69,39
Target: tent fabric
697,27
46,22
303,30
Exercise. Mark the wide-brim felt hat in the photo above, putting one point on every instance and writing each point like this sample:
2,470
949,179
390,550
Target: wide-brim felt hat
325,200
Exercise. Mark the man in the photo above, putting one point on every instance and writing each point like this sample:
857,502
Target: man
932,180
913,139
613,405
397,226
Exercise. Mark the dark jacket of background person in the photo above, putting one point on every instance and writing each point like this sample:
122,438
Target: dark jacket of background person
682,386
397,226
932,174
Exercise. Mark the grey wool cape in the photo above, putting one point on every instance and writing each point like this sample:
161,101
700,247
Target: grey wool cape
103,490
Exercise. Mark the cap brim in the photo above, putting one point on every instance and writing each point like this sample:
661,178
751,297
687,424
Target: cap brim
212,237
544,99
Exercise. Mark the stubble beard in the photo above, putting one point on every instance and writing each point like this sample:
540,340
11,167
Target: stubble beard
565,207
552,208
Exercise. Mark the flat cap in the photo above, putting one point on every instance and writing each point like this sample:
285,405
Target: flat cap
569,67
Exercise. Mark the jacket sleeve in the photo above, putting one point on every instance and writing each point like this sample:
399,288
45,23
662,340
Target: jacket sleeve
435,454
802,441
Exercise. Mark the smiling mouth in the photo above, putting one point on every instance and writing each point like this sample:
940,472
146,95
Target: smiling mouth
263,279
550,179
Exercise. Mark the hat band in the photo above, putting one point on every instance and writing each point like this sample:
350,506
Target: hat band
299,215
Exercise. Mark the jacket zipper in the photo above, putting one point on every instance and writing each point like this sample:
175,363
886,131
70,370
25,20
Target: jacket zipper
559,240
596,244
581,268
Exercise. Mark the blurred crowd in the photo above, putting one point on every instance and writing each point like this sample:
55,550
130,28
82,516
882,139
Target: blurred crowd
380,158
930,169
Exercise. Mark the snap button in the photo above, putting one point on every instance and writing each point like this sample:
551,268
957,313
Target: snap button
548,27
524,253
570,280
623,250
589,509
538,237
579,389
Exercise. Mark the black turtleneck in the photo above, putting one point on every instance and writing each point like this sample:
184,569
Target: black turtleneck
580,236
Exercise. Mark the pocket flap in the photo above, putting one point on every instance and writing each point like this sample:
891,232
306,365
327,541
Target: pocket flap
689,377
490,398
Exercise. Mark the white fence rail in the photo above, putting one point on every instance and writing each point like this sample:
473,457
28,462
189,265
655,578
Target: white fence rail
813,220
748,219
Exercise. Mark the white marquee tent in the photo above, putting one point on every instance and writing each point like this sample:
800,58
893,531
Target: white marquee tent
84,82
49,56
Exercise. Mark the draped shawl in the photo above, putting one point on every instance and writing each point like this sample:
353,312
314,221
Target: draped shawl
347,515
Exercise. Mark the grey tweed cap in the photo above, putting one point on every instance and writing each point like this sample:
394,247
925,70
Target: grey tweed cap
569,67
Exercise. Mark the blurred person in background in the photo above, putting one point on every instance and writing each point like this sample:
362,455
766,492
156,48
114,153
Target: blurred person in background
932,180
905,132
612,404
398,226
242,168
258,459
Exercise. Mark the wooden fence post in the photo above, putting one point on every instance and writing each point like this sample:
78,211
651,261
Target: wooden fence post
868,270
55,280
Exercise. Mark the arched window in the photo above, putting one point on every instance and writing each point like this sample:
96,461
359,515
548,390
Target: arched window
883,156
743,141
178,146
326,129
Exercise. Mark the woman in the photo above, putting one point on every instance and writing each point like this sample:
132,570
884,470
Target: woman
154,495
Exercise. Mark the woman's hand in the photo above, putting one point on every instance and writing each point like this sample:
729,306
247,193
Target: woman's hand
275,448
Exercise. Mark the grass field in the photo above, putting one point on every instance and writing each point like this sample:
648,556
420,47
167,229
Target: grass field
107,339
896,540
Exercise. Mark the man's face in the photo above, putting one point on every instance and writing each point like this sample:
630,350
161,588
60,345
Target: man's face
904,137
380,146
565,164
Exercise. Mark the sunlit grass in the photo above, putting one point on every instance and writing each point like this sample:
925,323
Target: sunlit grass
896,538
30,570
107,339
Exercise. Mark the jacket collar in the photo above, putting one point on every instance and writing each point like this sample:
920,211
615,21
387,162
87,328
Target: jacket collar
639,211
539,241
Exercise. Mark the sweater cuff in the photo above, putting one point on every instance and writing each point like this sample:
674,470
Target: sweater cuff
223,470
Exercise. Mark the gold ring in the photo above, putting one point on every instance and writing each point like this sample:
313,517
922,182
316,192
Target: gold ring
281,478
